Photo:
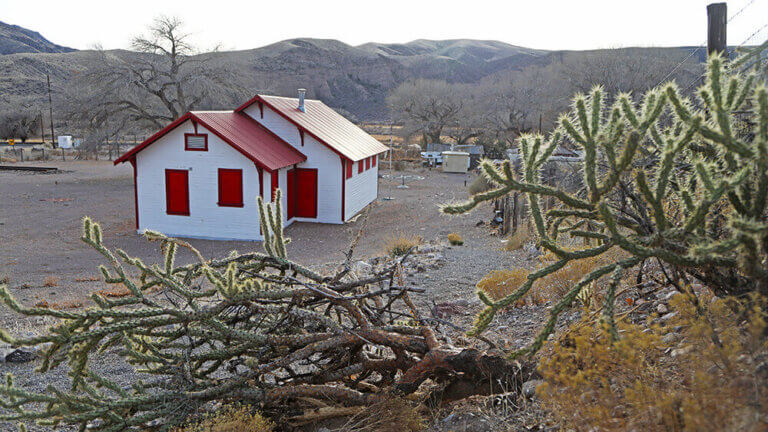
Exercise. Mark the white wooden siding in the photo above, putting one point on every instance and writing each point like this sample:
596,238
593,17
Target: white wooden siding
206,219
361,189
319,156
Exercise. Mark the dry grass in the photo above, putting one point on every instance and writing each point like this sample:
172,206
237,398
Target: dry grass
397,245
501,283
59,305
714,381
51,281
519,238
229,418
88,279
392,415
479,185
4,279
455,239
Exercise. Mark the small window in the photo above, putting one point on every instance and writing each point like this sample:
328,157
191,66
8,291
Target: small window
196,142
230,187
360,166
373,158
349,164
367,163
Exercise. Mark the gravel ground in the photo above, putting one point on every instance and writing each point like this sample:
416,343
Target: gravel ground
39,237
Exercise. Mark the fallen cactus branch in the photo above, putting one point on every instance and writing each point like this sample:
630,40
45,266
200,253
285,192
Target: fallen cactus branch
256,328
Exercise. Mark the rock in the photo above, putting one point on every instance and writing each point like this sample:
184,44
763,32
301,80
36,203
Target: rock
667,317
362,267
17,355
662,309
670,338
425,249
529,387
681,351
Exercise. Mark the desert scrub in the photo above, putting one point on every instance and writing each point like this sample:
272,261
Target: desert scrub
479,185
51,281
707,155
229,418
500,283
714,380
455,239
397,245
519,238
392,415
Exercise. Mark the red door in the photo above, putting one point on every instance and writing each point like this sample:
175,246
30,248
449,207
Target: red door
177,192
306,197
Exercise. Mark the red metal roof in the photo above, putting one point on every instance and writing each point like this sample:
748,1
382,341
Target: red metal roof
325,125
241,132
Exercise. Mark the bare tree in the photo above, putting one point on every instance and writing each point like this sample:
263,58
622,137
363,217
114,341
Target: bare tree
426,107
158,82
18,124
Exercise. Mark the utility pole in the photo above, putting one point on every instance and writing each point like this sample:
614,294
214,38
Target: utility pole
50,110
717,20
42,128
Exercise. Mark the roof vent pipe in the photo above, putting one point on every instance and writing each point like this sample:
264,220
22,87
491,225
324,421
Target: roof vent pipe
302,92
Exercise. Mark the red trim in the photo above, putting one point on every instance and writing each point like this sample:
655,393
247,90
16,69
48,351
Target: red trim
258,99
186,139
261,181
347,164
367,163
159,134
168,192
373,160
275,183
135,191
360,166
234,203
343,186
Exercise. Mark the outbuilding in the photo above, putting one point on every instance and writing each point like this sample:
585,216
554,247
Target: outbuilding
201,175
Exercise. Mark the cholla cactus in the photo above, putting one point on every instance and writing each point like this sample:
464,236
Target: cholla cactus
680,181
255,328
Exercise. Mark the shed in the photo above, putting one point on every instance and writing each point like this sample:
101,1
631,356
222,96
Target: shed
455,162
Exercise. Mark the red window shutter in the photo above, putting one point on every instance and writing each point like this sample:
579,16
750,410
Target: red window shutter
230,187
367,163
349,164
275,183
177,192
359,167
374,159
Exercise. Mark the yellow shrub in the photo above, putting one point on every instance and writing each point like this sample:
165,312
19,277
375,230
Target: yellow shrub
229,418
711,383
51,281
518,239
501,283
455,239
399,244
557,284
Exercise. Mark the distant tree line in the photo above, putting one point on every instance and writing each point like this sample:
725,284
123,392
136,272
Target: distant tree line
498,109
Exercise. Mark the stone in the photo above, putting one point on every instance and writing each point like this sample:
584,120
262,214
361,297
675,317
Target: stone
681,351
529,387
362,267
669,338
662,309
667,317
17,355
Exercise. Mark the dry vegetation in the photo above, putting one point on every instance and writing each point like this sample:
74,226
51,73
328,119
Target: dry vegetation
455,239
51,281
229,418
397,245
711,383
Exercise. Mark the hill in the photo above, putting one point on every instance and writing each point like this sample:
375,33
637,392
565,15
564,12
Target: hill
354,79
15,39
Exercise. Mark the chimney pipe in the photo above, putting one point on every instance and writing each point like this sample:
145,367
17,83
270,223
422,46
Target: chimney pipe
302,92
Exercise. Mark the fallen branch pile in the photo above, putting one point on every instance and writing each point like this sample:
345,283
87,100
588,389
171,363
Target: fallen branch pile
255,328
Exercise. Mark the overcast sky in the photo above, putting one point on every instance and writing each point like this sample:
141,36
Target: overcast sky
563,24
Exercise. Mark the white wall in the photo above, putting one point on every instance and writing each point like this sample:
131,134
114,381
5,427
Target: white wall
361,189
319,156
206,218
